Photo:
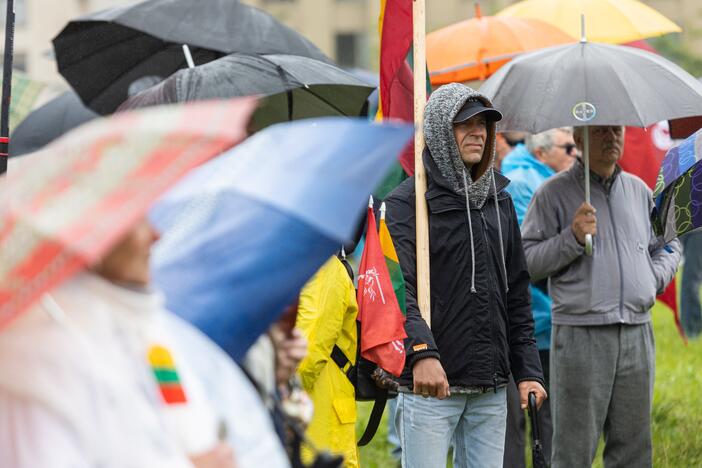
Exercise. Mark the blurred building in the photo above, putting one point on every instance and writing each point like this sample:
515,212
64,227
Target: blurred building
346,30
36,23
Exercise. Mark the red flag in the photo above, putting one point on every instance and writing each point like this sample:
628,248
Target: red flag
382,322
396,78
395,26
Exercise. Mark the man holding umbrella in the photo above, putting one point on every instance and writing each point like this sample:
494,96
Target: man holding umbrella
602,348
481,324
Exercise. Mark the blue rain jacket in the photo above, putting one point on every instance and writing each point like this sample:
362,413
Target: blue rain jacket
526,174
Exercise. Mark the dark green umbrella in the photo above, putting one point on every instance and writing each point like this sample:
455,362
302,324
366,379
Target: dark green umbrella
294,87
101,54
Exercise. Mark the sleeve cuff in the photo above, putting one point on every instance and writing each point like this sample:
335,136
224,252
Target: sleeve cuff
419,355
570,245
531,379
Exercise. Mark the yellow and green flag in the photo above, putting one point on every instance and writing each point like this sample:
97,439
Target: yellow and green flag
393,263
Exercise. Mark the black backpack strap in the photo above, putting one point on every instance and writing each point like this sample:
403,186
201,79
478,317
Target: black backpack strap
375,417
343,362
381,395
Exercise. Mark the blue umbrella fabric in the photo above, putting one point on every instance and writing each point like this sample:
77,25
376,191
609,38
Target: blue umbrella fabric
243,233
678,193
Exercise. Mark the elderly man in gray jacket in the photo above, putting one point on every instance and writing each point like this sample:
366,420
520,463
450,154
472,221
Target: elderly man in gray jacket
602,347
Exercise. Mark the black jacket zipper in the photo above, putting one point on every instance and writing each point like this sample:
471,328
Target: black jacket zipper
492,315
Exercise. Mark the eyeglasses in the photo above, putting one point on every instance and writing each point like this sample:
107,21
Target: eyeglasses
513,143
570,148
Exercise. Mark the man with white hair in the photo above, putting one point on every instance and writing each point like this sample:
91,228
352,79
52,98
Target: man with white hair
528,166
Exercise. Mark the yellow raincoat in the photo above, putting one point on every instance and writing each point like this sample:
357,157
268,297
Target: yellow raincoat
327,316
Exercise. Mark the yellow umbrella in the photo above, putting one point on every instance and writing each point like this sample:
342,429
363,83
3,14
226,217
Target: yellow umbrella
612,21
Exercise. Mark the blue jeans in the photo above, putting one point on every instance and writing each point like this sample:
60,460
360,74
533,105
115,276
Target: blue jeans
393,439
473,424
690,314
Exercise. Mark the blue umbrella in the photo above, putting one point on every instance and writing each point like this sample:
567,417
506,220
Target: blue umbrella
243,233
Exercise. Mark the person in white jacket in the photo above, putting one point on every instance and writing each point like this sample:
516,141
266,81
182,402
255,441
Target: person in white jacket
98,373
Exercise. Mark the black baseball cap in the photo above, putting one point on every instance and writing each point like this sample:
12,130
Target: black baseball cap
473,108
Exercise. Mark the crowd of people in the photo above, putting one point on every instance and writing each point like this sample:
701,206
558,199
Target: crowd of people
99,373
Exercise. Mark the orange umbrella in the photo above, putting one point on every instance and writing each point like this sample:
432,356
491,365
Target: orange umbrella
476,48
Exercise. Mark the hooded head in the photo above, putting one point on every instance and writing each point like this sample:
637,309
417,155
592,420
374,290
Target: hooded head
442,108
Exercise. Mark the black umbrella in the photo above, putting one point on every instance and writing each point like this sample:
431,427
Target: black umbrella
295,87
537,450
101,54
49,122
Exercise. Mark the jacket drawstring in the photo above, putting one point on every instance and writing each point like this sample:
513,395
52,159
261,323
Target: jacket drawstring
470,228
499,229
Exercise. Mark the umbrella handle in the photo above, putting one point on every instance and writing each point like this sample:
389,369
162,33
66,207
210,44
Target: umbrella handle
588,245
586,162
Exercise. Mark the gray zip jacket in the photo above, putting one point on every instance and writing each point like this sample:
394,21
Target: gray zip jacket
619,283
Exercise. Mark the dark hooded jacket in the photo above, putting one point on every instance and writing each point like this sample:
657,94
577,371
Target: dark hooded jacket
481,320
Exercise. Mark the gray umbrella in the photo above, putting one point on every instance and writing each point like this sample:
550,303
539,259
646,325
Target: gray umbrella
586,84
294,87
49,122
101,54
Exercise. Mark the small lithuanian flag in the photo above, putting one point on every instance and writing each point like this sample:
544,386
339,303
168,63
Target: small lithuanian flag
166,375
398,281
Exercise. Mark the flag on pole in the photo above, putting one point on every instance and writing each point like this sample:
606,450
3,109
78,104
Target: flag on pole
396,91
382,321
395,27
391,260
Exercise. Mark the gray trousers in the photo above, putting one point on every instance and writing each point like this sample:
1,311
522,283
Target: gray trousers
602,382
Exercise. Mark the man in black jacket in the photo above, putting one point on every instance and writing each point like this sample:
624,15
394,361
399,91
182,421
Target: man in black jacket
482,328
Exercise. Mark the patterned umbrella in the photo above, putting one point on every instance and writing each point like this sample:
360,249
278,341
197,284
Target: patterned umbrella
67,205
678,194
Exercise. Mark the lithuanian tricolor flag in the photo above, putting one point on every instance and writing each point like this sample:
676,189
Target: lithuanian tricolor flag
393,263
167,378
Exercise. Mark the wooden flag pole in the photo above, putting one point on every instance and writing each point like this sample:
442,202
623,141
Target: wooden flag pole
6,86
420,177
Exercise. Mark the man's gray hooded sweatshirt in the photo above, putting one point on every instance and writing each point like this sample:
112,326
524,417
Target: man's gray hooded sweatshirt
619,282
480,312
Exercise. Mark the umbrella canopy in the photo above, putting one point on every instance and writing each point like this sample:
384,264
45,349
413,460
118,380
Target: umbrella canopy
296,87
243,233
678,194
68,204
101,54
49,122
591,84
588,84
475,48
612,21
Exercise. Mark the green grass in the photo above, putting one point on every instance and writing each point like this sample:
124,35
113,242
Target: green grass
677,405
